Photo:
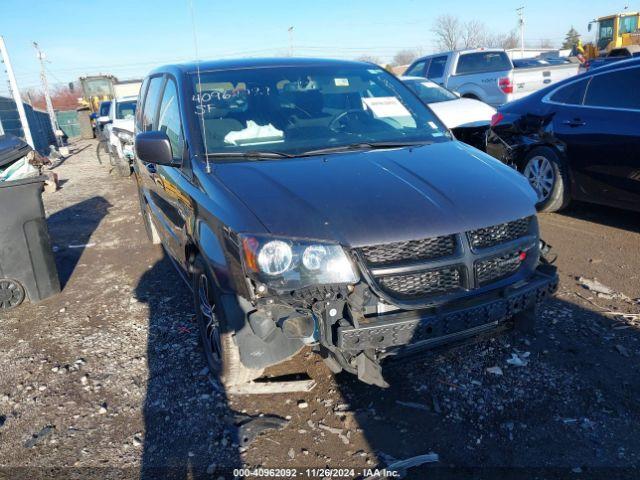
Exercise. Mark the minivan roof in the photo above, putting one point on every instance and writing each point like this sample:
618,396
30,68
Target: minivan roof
233,64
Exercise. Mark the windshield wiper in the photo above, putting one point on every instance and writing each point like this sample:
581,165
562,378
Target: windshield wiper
366,146
251,155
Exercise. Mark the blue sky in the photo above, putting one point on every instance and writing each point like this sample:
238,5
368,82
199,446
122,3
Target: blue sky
128,38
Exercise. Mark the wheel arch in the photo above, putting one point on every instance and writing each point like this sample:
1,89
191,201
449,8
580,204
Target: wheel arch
469,90
210,245
255,352
561,194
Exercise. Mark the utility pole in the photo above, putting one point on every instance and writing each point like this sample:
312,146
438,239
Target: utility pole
47,97
15,92
290,30
521,24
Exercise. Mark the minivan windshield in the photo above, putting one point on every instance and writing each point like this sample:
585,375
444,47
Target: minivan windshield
292,110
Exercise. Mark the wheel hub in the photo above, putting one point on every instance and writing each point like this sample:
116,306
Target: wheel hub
11,294
541,176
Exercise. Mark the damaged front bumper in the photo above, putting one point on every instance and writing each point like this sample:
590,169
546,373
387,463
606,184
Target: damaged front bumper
355,327
418,329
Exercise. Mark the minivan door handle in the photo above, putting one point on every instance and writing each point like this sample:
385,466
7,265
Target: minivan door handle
576,122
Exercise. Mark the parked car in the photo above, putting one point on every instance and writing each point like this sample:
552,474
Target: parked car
487,74
119,130
319,202
101,118
578,139
467,118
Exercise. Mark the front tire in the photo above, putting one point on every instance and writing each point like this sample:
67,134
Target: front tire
123,167
547,174
220,348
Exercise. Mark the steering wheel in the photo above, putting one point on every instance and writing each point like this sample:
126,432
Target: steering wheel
334,123
293,118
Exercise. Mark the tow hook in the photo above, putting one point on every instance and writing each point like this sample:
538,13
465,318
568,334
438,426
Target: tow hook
369,370
545,253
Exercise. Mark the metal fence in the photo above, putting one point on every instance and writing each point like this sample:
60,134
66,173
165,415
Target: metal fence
39,124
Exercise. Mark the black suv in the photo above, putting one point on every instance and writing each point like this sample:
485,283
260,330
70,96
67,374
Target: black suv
318,202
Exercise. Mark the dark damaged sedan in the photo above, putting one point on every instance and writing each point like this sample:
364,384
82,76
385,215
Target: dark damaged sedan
320,203
576,139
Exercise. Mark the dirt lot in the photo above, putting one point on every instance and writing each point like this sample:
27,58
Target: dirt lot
108,376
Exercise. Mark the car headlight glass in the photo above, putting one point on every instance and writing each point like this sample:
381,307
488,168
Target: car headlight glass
275,257
289,264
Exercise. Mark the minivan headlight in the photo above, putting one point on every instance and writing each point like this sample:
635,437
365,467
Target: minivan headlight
289,264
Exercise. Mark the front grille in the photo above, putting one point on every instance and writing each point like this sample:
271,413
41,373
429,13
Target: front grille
498,267
409,251
432,282
497,234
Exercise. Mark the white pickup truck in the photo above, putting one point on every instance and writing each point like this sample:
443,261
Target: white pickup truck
488,74
119,131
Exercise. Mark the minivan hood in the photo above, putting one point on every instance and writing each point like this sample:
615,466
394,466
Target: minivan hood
379,196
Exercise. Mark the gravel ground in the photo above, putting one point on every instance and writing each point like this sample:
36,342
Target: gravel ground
108,378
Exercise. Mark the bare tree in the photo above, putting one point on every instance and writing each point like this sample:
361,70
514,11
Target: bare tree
447,31
502,40
369,58
61,97
473,34
404,57
510,40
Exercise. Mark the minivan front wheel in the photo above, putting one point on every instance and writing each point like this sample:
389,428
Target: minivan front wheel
547,175
220,348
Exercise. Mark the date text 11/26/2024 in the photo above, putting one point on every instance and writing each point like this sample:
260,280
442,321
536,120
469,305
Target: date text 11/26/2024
315,473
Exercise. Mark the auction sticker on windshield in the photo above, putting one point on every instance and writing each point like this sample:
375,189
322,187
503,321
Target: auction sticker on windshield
383,107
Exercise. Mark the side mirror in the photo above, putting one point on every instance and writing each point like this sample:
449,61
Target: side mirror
154,147
589,27
104,119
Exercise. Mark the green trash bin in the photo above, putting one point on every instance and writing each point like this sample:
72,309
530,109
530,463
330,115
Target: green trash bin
27,266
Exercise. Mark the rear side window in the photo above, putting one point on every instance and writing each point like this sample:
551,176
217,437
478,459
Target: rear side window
416,70
151,102
615,90
572,94
483,62
436,69
169,119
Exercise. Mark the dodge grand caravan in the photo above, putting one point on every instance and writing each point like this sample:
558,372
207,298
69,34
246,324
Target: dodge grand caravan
321,203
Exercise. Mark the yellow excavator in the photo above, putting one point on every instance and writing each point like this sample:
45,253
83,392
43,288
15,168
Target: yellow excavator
613,31
95,89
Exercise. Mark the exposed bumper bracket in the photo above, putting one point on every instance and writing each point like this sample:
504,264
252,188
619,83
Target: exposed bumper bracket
417,328
369,370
